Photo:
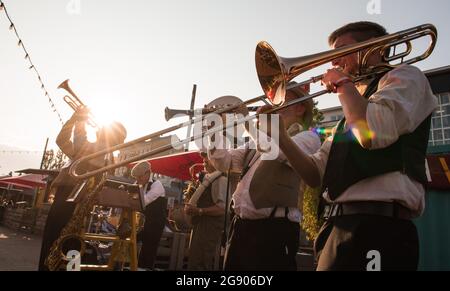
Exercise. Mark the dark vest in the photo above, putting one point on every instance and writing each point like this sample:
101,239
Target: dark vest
204,201
349,163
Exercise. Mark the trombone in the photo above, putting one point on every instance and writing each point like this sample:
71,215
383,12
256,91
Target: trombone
74,102
274,73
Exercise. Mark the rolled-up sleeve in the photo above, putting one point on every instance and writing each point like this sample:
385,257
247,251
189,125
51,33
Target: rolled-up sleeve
404,99
320,158
224,160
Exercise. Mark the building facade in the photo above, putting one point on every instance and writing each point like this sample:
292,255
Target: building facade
440,125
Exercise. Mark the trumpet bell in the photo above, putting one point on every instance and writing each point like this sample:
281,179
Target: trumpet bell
64,85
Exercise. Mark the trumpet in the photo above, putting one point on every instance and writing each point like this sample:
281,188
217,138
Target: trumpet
74,102
274,73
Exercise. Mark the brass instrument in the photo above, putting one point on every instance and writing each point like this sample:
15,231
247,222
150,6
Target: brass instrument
171,113
181,220
193,184
274,73
74,229
124,248
74,102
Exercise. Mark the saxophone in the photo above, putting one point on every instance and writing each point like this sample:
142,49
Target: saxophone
179,218
73,230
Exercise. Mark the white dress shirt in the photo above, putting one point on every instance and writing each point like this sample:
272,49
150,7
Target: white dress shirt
156,190
403,101
233,159
219,190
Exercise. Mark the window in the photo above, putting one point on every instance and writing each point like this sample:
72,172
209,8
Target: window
447,134
438,134
437,123
445,99
446,109
446,121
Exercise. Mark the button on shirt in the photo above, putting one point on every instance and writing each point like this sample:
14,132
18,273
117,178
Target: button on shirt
234,159
403,100
154,192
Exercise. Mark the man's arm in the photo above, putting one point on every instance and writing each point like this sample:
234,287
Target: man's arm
353,104
223,159
63,140
302,163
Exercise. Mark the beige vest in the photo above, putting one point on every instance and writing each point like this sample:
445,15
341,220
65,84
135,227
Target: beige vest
274,184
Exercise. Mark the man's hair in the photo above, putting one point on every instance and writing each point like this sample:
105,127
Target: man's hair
361,31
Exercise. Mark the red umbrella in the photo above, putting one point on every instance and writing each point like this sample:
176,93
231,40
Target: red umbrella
175,166
31,180
17,185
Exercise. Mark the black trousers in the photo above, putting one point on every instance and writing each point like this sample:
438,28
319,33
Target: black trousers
58,216
262,245
344,244
155,220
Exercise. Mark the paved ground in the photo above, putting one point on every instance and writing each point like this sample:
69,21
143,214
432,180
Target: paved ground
19,251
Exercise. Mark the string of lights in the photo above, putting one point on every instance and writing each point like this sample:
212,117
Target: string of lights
20,43
20,152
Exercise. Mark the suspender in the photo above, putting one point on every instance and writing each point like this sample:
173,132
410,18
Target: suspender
286,212
249,155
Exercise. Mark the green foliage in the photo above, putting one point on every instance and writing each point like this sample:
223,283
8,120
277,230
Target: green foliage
54,161
310,222
317,115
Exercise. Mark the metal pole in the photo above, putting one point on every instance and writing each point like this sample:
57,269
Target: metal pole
194,92
43,155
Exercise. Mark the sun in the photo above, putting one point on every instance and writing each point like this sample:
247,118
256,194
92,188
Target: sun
103,114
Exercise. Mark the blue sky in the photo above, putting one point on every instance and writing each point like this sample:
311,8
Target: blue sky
136,57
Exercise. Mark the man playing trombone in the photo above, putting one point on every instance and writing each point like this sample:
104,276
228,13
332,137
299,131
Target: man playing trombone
265,232
373,169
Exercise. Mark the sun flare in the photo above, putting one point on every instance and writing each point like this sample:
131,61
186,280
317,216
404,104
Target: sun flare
103,114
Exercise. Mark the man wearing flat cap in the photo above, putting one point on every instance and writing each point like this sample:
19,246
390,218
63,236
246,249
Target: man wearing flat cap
155,213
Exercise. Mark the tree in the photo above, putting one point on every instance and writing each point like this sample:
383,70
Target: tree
54,161
317,115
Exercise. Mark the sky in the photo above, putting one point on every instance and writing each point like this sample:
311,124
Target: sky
128,60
